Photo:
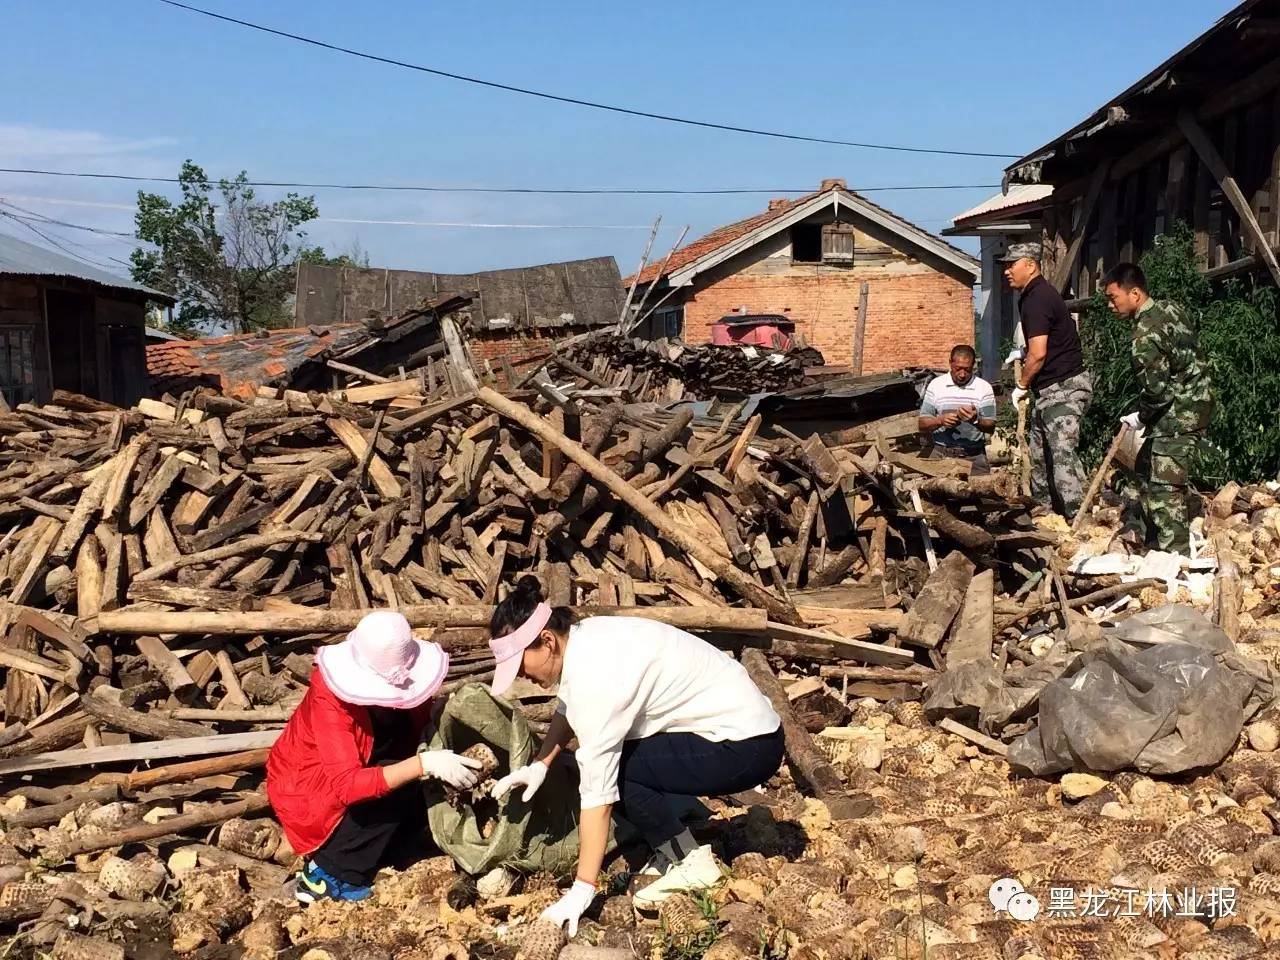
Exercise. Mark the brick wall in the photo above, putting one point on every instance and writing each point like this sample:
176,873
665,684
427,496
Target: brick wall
913,319
493,345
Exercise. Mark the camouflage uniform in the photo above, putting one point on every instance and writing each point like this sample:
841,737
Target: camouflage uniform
1175,405
1054,437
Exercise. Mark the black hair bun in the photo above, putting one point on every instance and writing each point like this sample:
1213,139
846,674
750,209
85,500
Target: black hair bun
529,586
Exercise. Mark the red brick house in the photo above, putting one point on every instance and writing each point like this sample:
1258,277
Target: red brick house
809,260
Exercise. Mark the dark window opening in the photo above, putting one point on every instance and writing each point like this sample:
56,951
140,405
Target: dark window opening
17,365
72,345
806,243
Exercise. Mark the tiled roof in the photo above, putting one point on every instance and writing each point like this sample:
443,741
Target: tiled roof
727,234
716,239
237,365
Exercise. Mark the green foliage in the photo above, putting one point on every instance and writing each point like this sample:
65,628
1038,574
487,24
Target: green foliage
231,263
1240,340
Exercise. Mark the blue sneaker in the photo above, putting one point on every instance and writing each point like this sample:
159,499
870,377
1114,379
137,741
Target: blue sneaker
316,883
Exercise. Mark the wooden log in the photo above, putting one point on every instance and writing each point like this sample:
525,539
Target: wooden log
998,486
236,549
229,623
195,769
812,770
169,668
938,603
728,524
40,557
52,736
99,704
970,537
802,541
90,500
745,587
171,826
655,445
351,437
599,430
837,567
50,813
975,623
786,640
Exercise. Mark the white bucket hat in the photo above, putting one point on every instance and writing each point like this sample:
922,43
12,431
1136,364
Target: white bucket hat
382,664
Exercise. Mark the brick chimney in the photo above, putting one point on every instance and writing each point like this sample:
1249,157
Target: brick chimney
833,183
777,203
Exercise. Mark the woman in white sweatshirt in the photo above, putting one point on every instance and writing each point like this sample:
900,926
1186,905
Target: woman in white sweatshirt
660,716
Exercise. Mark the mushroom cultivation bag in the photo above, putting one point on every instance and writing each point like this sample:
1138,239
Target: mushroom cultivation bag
539,835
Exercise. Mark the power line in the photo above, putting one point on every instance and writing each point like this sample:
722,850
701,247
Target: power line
432,188
51,241
40,217
576,101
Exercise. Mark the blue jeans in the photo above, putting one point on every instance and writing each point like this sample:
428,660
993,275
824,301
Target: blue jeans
660,776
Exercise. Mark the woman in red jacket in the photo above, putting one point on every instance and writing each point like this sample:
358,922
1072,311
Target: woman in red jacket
336,778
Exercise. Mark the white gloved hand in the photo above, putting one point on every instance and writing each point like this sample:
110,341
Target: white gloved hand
1018,395
530,777
570,907
457,771
1132,421
1016,354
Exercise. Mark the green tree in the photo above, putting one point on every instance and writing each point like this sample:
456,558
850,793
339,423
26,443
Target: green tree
230,263
1240,339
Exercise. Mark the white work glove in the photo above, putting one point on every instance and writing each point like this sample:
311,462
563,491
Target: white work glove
457,771
1016,354
570,907
530,777
1018,395
1132,421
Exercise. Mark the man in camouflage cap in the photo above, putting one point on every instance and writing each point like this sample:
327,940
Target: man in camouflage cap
1054,372
1174,408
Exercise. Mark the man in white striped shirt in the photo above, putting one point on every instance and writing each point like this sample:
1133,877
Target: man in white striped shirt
958,412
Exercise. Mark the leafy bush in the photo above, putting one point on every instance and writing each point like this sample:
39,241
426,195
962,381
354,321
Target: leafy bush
1240,340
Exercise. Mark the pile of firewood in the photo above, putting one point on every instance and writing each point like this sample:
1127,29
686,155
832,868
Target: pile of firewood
668,370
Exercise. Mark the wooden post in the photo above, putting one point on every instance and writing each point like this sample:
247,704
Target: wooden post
644,259
745,587
1024,450
860,330
459,362
1212,159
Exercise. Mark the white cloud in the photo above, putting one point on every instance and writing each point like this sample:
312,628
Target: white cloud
26,143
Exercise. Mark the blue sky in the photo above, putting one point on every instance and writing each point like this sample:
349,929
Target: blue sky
134,86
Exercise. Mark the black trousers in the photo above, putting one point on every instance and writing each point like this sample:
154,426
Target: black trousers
375,834
660,776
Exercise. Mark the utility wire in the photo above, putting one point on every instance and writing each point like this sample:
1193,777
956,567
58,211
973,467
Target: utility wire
576,101
430,188
41,218
51,241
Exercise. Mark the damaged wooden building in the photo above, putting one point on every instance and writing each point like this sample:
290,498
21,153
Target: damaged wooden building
1195,140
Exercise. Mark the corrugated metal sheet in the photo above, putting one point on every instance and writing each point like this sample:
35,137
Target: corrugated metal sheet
18,256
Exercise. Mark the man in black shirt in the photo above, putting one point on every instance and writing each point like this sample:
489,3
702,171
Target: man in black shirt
1053,372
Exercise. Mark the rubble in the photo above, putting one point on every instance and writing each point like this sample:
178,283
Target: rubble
169,570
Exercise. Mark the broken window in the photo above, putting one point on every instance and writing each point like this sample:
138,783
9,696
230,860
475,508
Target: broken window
17,365
669,322
806,243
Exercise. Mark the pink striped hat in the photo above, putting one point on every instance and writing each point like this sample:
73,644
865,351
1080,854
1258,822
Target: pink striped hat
382,664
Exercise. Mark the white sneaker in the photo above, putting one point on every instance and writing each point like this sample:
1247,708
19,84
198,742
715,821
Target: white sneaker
698,871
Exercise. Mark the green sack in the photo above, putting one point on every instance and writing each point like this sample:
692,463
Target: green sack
539,835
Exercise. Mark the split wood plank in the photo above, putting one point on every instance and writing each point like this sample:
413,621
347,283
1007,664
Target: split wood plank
351,438
975,623
939,601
